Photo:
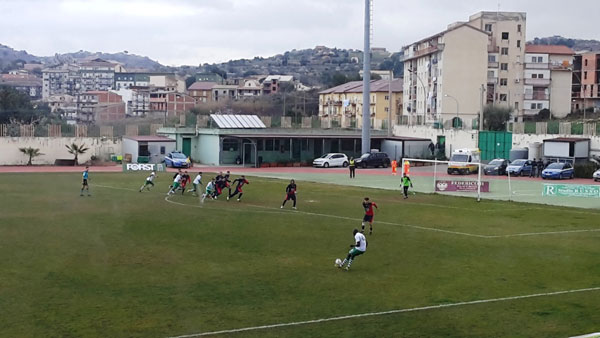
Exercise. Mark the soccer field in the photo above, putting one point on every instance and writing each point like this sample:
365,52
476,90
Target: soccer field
128,264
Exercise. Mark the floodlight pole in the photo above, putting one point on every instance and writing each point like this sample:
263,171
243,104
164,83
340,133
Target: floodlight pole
366,106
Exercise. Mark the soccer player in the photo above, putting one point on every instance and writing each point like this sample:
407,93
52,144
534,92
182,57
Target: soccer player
238,188
290,194
355,249
149,181
197,180
405,182
176,183
84,182
218,184
226,182
185,178
368,205
209,191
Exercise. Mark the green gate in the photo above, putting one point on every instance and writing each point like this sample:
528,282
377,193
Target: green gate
495,144
187,147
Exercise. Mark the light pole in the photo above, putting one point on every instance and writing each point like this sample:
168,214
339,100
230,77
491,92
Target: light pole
457,109
424,95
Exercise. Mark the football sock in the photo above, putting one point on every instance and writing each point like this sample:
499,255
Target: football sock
344,262
349,263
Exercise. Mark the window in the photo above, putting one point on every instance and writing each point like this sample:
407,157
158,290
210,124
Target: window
504,51
488,27
540,59
540,76
387,109
516,105
503,82
534,76
230,145
304,145
504,35
503,97
519,28
269,145
491,58
533,105
276,145
504,66
518,43
387,97
585,75
162,150
259,145
585,62
491,74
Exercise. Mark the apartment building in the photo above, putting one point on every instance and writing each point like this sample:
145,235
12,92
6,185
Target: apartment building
25,83
444,75
128,80
344,102
272,83
167,82
60,80
586,81
201,91
547,80
100,106
165,103
98,75
506,55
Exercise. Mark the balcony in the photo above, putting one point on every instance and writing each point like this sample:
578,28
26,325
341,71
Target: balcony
492,80
493,64
424,51
561,66
537,65
537,96
537,82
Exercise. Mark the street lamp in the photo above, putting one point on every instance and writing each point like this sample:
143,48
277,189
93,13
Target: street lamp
424,101
457,109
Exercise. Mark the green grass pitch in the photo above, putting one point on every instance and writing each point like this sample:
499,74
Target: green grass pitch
128,264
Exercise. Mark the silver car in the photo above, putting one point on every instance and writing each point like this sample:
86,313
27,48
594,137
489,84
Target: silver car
331,160
596,175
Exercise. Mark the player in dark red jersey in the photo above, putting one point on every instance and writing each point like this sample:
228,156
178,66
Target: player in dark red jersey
225,182
368,205
238,188
290,194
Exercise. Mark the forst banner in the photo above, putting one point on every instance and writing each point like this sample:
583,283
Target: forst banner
143,167
461,186
572,190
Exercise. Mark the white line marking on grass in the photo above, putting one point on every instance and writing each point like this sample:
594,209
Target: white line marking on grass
372,314
548,233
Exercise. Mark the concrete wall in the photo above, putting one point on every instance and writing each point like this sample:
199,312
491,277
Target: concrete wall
455,139
560,93
207,149
54,148
527,140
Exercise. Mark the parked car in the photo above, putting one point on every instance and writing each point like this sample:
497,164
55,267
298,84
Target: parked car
596,175
331,160
519,168
177,159
496,167
464,161
558,170
373,160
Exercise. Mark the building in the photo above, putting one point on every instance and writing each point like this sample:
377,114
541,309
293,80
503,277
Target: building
548,80
164,103
201,91
506,54
344,102
249,88
28,84
60,80
586,81
147,149
167,82
272,83
100,106
140,101
444,75
222,93
98,75
127,80
209,77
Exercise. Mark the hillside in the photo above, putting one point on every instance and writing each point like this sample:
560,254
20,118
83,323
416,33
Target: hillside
578,45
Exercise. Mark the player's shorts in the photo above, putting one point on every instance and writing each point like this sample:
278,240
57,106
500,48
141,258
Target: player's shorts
149,182
84,182
291,196
368,218
175,185
355,252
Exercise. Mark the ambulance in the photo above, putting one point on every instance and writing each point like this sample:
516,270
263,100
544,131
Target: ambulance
464,161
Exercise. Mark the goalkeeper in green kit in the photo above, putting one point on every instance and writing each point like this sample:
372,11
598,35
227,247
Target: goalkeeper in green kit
405,182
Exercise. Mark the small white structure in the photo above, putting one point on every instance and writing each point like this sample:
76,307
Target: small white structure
147,149
567,148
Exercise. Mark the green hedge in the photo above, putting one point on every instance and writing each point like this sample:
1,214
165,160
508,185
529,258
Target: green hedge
585,170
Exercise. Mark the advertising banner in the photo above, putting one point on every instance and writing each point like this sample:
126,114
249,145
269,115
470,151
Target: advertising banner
144,167
571,190
460,186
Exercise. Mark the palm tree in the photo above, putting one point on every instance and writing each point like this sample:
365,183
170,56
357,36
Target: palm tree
76,150
31,152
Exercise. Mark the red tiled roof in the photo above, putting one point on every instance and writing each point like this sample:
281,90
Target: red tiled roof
201,86
549,49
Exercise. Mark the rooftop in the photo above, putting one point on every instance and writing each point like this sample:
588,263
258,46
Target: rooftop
566,139
549,49
151,138
357,87
202,86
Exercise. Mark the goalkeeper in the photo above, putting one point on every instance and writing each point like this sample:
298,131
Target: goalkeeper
405,183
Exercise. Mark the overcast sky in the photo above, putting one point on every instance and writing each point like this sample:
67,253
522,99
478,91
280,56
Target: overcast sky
176,32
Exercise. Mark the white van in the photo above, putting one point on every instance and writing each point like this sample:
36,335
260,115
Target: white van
464,161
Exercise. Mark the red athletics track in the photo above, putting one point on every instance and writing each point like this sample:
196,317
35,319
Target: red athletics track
415,171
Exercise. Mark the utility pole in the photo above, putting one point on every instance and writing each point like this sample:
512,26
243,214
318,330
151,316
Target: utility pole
389,115
482,91
366,106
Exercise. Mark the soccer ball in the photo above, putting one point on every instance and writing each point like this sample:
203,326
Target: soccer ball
338,262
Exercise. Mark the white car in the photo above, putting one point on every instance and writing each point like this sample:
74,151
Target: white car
331,160
596,175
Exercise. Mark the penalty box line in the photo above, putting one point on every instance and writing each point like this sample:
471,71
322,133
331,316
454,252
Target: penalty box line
373,314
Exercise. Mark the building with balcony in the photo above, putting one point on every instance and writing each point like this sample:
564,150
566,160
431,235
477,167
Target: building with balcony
25,83
128,80
547,80
100,106
249,88
272,83
167,104
222,93
344,102
201,91
98,75
586,81
61,79
506,53
444,75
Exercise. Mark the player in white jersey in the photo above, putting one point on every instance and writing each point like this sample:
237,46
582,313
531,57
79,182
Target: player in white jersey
210,190
149,181
176,183
197,181
356,249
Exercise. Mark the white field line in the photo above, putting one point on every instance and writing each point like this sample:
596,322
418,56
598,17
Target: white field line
372,314
278,211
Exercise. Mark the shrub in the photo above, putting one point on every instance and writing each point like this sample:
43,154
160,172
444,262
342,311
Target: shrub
585,170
